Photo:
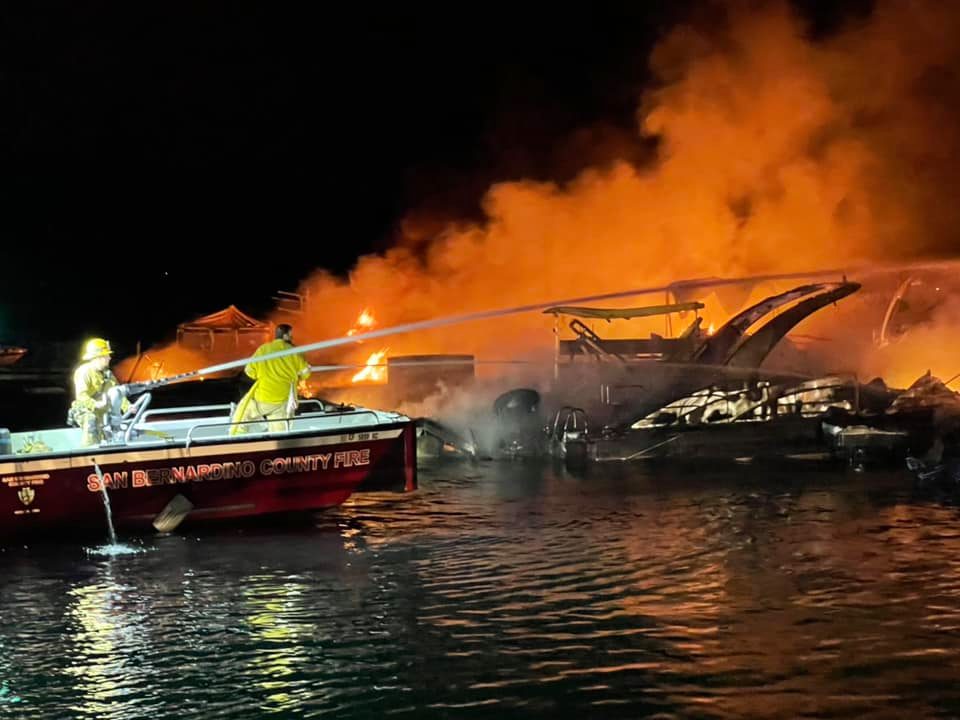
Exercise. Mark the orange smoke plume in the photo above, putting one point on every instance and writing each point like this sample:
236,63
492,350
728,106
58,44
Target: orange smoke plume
776,152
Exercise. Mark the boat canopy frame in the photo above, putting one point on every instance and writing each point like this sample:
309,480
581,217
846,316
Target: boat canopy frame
609,314
617,349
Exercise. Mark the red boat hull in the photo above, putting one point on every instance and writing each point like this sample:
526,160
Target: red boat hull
223,479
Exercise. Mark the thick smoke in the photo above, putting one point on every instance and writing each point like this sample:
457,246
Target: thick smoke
776,152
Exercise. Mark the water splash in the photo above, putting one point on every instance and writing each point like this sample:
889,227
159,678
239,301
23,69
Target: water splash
106,504
115,549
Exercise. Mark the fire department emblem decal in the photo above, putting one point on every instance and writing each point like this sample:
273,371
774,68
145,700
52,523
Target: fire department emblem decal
26,495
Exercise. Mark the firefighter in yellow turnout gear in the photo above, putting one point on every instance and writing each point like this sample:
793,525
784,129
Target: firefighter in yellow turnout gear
273,397
91,381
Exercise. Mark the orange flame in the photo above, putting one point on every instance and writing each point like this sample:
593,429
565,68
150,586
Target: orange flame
374,372
366,321
712,329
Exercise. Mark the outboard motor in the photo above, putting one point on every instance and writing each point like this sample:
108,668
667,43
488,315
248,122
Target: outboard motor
570,436
519,429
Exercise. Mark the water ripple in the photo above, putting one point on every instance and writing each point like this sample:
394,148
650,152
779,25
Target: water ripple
514,590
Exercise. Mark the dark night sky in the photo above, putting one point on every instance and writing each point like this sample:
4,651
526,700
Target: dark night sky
161,163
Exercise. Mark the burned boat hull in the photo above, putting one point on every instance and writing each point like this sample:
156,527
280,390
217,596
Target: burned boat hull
787,438
724,424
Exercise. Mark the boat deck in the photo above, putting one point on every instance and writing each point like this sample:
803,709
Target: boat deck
185,426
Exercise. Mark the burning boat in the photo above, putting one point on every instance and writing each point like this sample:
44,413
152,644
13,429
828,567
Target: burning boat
163,466
828,419
701,395
765,420
615,381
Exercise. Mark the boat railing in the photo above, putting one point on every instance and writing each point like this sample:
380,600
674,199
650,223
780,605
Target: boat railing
186,409
230,407
142,413
286,423
232,424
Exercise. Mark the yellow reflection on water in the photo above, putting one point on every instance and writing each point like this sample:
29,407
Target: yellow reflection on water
104,636
276,619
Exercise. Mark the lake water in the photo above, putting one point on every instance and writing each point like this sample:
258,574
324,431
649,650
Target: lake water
512,590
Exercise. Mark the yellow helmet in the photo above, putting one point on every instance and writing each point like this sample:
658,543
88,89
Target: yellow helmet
98,347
